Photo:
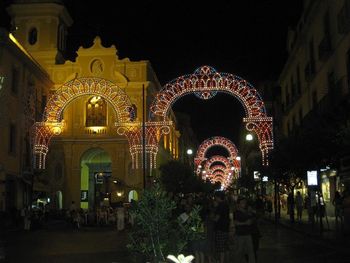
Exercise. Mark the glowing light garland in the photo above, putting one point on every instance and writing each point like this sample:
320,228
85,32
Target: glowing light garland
205,82
89,86
52,124
215,141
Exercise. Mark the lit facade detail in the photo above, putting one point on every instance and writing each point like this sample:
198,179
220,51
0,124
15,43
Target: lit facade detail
53,124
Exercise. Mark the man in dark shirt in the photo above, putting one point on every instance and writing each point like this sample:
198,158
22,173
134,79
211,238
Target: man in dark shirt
221,226
243,225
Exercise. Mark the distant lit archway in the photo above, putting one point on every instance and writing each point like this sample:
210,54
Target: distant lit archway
212,142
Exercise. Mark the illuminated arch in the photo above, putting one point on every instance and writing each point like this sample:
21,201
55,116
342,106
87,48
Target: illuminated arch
52,123
215,141
75,88
218,167
228,164
218,174
205,82
217,158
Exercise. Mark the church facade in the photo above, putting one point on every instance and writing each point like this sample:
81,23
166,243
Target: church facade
88,162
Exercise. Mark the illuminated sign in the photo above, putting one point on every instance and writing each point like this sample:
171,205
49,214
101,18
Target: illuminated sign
2,79
256,175
312,178
84,195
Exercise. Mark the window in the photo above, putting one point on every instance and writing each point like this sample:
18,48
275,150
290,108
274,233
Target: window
33,36
40,107
294,121
15,80
43,104
331,81
348,67
300,116
287,100
96,112
293,88
133,112
314,98
12,139
298,81
288,128
61,34
312,56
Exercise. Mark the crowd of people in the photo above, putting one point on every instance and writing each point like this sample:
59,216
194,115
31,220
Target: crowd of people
230,226
103,216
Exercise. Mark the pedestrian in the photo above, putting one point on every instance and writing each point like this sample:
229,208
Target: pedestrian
338,207
221,227
27,218
120,217
290,206
269,207
243,221
299,203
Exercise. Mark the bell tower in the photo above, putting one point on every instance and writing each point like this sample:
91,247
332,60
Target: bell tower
41,27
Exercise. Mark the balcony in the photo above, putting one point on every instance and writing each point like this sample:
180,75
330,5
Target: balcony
325,48
98,130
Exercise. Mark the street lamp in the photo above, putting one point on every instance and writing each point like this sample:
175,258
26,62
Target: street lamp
249,137
189,151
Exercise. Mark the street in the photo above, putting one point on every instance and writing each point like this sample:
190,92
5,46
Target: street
61,244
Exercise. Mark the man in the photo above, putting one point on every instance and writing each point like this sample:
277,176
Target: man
221,226
299,202
243,223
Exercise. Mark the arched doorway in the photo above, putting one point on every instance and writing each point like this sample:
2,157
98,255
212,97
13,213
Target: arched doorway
133,195
95,179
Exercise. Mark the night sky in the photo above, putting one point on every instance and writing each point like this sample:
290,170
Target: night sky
246,38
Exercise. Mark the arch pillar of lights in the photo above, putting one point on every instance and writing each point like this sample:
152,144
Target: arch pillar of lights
153,132
205,82
52,124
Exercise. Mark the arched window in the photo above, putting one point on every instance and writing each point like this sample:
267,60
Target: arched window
33,36
96,112
61,34
133,112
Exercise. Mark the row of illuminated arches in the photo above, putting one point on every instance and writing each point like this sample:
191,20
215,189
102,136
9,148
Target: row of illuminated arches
205,82
218,168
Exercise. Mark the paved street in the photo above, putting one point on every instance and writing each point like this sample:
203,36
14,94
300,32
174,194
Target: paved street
60,244
281,244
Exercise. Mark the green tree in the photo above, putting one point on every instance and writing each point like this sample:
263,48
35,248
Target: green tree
177,177
156,232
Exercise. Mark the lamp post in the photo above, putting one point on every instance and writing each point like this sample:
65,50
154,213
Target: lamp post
189,154
247,150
